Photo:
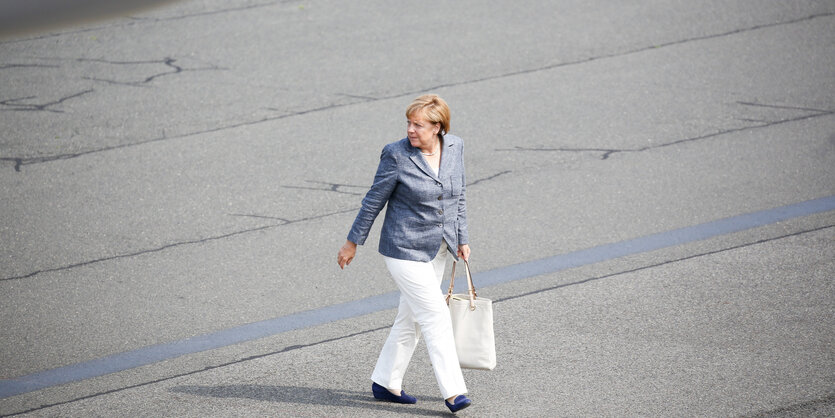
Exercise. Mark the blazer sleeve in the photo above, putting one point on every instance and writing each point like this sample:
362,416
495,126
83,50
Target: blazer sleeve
375,200
463,234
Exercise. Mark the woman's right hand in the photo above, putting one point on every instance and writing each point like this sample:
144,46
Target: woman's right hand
346,254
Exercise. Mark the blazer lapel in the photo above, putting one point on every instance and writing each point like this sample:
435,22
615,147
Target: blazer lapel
447,159
422,164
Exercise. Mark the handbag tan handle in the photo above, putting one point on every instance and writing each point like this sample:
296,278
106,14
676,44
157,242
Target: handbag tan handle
470,286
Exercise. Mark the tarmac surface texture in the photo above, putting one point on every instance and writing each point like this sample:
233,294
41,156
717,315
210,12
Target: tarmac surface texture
182,178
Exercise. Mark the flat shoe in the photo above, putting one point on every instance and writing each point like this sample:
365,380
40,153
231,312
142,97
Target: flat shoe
458,403
383,394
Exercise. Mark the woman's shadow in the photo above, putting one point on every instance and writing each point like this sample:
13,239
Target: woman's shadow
305,396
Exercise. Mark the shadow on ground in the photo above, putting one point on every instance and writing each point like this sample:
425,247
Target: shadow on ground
307,396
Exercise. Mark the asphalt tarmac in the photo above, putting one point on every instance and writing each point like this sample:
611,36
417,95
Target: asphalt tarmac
651,191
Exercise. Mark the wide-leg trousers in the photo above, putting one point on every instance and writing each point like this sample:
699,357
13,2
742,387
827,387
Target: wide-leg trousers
423,310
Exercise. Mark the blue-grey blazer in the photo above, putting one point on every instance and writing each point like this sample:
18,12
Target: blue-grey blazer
423,208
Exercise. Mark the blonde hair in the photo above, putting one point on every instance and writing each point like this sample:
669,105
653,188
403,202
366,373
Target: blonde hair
434,109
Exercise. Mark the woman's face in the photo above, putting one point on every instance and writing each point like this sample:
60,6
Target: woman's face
422,133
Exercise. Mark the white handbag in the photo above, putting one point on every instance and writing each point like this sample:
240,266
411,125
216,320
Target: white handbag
472,325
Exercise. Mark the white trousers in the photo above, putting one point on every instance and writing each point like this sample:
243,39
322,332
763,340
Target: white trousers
422,309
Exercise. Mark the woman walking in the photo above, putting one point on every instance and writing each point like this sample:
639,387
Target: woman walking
421,179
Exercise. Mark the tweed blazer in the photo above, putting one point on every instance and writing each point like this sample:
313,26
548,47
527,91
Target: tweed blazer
423,208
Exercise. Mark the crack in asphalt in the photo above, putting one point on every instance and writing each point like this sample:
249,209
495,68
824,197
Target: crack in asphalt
282,222
168,61
19,104
605,153
19,162
137,253
773,106
9,66
331,187
336,187
15,105
174,245
489,178
23,161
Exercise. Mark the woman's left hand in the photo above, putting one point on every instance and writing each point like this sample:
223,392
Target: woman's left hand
464,251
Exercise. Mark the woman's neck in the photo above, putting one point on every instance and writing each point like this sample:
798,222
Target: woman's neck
432,149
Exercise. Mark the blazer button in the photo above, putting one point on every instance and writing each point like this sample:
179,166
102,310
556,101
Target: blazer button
441,197
440,212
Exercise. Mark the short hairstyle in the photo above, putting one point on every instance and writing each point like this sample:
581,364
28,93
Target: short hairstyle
434,110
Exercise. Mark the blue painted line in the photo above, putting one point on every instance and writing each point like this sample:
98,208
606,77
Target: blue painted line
654,242
248,332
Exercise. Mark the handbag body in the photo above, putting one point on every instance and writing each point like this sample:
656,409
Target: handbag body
472,325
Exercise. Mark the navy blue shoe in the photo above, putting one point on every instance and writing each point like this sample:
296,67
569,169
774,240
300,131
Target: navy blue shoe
383,394
458,403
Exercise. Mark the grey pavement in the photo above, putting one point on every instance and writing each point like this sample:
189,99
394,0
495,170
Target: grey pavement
193,168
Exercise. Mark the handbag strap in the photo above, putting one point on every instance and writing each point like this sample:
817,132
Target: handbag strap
470,286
